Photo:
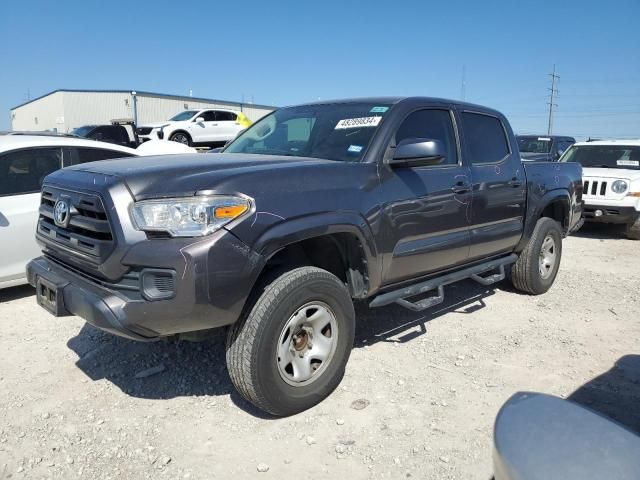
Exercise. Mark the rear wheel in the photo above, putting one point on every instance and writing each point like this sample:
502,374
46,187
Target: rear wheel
633,230
289,351
181,137
537,266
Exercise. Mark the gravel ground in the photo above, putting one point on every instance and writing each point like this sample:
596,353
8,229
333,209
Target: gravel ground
418,400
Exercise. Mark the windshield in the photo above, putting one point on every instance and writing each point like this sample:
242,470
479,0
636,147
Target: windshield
339,132
182,116
82,131
534,144
604,156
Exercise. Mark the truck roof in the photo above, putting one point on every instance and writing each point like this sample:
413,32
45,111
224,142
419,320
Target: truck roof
556,137
406,99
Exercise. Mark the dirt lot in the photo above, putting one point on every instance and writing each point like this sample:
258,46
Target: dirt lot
72,407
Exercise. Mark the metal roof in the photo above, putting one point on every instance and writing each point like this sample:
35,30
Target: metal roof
143,93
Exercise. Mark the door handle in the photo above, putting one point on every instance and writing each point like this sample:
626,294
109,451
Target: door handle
460,187
514,182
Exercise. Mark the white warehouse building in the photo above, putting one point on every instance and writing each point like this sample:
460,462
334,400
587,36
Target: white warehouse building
64,110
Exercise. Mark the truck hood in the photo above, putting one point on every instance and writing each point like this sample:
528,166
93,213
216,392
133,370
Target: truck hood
182,175
623,173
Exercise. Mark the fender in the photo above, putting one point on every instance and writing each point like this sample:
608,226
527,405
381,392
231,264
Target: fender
297,229
536,203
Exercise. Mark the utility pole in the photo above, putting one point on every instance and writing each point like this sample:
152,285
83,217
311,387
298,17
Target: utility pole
552,95
463,86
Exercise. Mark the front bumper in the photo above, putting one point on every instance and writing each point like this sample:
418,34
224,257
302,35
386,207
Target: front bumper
213,278
610,214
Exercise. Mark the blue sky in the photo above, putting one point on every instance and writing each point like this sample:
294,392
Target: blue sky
290,52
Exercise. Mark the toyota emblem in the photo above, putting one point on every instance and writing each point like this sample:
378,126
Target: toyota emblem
61,213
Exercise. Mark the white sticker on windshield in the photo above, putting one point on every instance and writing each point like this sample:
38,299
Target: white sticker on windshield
544,139
628,163
358,122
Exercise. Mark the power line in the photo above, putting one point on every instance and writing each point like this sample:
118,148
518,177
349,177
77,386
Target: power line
552,94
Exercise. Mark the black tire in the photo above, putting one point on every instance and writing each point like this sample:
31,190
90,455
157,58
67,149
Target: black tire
253,341
181,137
526,272
633,230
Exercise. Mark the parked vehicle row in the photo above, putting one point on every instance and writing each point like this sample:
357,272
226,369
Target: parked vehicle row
382,199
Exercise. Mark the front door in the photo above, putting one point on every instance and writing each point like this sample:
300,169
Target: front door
427,223
206,130
499,185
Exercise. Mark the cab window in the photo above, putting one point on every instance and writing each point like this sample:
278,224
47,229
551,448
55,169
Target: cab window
22,171
83,155
432,124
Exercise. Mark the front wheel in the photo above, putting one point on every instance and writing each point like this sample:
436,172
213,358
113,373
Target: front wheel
290,350
537,266
181,137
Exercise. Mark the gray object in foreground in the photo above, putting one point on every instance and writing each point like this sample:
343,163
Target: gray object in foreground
540,437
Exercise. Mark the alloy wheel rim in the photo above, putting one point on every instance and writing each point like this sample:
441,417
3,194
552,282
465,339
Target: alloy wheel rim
307,344
180,139
548,254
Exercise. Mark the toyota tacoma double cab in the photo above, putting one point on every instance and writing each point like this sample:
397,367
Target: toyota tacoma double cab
386,200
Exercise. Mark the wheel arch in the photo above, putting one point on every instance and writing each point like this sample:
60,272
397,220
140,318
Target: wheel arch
555,204
338,242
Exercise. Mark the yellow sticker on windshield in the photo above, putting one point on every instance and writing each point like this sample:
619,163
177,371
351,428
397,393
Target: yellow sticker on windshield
358,122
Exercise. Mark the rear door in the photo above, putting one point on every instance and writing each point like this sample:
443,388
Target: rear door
228,127
428,218
21,176
499,185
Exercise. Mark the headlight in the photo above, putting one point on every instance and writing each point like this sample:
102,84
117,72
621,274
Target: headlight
190,216
619,186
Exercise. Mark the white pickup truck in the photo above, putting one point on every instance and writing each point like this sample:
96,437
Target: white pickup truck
611,181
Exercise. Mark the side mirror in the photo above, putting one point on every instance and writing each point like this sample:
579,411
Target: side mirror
199,120
415,152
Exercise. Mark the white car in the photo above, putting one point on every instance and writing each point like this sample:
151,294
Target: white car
24,162
193,127
611,181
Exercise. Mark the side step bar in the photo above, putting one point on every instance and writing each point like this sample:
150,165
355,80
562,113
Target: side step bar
400,296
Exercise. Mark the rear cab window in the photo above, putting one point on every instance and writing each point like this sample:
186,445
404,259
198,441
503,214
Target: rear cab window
485,138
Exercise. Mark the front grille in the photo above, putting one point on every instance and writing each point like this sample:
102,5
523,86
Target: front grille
594,188
144,130
88,233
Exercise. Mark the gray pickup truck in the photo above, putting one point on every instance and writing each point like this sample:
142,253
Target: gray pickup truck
383,199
